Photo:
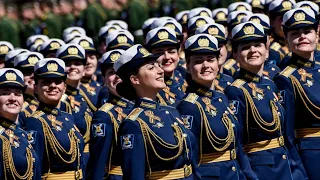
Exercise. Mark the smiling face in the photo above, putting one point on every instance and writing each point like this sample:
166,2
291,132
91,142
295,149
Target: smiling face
203,68
111,80
169,58
302,41
91,65
74,70
50,91
149,79
11,101
251,55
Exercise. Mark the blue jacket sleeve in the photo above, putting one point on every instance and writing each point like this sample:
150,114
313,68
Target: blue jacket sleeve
131,143
287,100
34,126
100,144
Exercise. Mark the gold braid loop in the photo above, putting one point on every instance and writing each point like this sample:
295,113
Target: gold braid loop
213,139
88,120
56,146
9,163
147,133
304,97
257,117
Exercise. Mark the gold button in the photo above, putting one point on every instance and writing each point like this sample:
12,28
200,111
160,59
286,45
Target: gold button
284,157
234,168
220,100
268,87
228,83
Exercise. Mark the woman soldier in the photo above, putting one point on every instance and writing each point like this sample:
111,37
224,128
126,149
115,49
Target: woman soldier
89,87
162,41
104,162
298,86
218,31
257,107
205,112
18,158
52,132
74,57
153,144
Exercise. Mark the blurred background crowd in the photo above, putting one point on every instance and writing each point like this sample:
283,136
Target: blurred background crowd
20,19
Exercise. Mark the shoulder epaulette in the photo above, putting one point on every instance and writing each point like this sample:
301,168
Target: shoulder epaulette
37,114
229,64
106,107
192,98
288,70
64,97
275,46
25,105
238,83
135,114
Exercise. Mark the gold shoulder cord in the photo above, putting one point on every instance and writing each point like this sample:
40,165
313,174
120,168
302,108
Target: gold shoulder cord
88,120
257,117
57,148
213,139
162,101
304,97
93,107
147,133
9,166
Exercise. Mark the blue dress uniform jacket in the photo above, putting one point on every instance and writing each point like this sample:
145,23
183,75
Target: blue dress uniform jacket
90,89
298,86
270,70
82,115
206,113
30,105
105,161
155,146
57,142
16,153
261,116
175,90
222,81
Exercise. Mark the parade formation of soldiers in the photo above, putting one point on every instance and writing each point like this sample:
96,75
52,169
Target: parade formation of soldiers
159,89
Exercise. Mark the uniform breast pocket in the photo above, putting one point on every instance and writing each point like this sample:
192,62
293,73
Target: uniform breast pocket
209,171
261,160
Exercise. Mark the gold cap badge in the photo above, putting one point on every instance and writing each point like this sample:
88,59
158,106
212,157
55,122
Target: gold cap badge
84,44
200,22
256,3
32,60
73,51
241,8
204,42
163,35
54,45
122,39
11,76
52,67
171,26
286,5
299,16
115,57
203,13
213,31
144,51
248,30
4,49
221,16
256,20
